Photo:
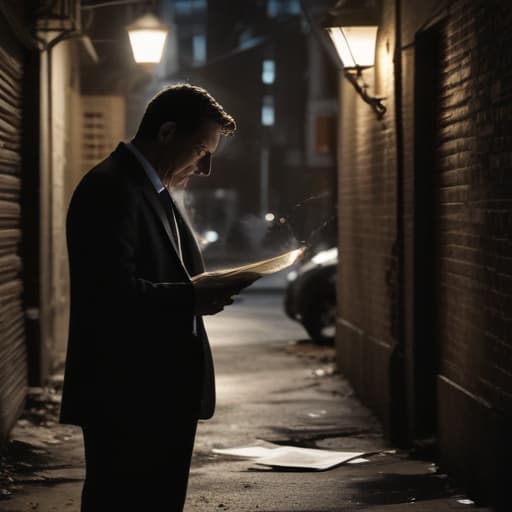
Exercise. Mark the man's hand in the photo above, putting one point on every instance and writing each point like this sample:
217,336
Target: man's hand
212,294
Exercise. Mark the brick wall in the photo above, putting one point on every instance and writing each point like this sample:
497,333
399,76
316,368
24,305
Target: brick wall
452,218
367,232
474,156
475,219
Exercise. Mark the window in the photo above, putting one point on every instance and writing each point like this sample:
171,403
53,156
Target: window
199,49
187,7
294,7
280,7
268,73
183,8
325,134
273,8
267,111
246,39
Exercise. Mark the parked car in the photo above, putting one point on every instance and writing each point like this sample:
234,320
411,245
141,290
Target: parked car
310,296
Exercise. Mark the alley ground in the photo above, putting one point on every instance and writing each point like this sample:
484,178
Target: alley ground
272,387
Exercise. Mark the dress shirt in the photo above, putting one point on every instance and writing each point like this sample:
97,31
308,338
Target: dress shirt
148,168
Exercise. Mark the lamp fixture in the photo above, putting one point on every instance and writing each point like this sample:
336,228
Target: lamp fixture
355,45
352,28
147,38
147,34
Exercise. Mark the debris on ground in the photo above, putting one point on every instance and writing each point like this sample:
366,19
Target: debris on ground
324,371
308,349
24,457
42,404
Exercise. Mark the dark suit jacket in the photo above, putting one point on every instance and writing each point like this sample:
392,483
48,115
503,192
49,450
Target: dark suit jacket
132,354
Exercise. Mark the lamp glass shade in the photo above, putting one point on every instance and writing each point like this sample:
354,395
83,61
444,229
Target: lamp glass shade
147,39
355,45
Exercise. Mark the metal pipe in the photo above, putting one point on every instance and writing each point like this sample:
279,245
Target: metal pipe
112,4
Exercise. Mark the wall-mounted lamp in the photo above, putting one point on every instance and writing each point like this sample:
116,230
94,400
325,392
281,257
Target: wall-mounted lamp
147,38
147,34
352,27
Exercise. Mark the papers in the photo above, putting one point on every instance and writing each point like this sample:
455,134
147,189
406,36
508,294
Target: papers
306,458
253,271
248,452
294,457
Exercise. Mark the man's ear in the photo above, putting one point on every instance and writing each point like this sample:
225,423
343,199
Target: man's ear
166,132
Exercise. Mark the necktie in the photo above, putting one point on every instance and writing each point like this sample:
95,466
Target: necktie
170,209
166,200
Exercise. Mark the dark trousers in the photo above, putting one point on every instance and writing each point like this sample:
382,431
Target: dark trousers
141,470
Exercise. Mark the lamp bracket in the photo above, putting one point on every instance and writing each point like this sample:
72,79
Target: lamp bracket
355,77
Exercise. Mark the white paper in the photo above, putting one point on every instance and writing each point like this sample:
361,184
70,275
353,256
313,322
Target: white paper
254,270
306,458
249,452
466,502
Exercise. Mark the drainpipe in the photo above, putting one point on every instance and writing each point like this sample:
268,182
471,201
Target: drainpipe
397,409
47,300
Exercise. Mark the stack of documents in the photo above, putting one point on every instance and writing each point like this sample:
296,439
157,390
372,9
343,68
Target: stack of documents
293,456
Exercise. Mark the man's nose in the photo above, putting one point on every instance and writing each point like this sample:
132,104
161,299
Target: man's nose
204,166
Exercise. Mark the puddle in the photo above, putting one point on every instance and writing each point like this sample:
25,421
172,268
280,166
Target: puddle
388,489
306,436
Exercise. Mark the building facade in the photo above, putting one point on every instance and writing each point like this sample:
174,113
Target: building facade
38,99
13,350
424,313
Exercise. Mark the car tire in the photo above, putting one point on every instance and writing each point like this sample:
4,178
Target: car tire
319,318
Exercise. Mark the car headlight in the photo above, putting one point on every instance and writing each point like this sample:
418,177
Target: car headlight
291,276
211,236
325,256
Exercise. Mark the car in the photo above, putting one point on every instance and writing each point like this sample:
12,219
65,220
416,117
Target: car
310,296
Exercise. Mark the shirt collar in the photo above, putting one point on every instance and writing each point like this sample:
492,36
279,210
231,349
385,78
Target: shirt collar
148,168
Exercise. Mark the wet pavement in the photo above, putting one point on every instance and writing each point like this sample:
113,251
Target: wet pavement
271,388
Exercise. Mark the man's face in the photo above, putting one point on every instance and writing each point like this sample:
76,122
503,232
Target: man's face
189,154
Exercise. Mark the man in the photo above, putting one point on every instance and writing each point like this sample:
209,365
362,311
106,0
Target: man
139,370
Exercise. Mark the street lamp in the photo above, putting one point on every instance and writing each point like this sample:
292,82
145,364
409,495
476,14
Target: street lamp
147,38
352,26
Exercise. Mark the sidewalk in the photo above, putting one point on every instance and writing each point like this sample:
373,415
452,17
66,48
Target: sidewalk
269,389
306,406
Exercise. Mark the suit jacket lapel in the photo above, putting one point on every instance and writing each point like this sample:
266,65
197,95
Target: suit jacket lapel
191,246
158,209
151,196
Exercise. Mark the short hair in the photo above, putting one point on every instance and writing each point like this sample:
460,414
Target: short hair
188,106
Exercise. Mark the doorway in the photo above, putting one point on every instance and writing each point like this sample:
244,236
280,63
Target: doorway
425,345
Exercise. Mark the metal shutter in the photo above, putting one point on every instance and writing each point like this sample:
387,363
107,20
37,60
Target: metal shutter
13,357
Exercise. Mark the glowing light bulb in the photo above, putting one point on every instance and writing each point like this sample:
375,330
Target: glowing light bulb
147,38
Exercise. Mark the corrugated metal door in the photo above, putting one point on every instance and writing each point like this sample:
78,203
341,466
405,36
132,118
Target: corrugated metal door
13,358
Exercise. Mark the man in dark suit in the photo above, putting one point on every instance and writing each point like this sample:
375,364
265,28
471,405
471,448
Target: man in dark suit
139,371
